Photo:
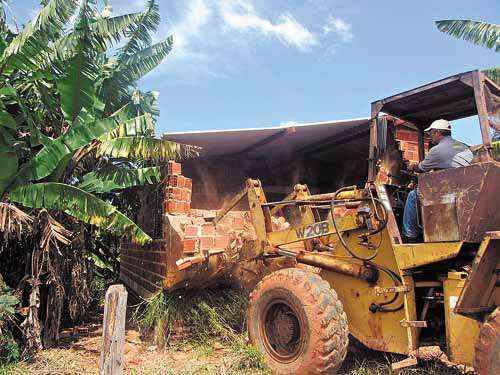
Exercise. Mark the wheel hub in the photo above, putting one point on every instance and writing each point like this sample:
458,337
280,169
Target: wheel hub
282,331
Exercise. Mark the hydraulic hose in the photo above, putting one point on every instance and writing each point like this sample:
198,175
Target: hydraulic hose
339,234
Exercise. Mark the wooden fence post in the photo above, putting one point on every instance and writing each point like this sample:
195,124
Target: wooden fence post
113,331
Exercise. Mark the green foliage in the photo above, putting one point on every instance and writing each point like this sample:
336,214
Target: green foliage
79,204
480,33
137,126
209,314
79,135
76,87
136,66
204,318
53,92
115,178
140,147
8,303
493,74
249,357
9,350
138,33
496,150
27,48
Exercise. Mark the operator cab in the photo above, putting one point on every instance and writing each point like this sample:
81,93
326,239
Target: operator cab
457,204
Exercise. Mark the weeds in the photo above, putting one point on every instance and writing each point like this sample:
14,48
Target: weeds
203,318
9,349
248,357
193,316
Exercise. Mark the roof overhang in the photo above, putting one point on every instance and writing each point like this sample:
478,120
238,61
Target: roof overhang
450,98
319,139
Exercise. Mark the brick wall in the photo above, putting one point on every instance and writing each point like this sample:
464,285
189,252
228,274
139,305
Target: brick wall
188,249
408,143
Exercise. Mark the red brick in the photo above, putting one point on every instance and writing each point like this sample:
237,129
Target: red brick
173,193
207,230
221,242
186,207
184,182
189,244
180,181
192,231
407,135
410,146
174,206
186,195
188,183
174,168
411,156
238,222
173,180
207,242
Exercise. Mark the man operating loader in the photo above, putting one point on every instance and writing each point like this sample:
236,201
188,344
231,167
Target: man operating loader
447,153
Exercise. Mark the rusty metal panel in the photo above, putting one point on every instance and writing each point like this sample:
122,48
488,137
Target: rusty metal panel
419,254
461,332
461,201
480,294
450,98
440,220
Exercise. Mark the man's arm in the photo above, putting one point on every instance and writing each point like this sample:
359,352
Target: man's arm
432,161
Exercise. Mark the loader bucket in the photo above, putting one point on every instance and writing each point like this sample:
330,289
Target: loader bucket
481,293
460,204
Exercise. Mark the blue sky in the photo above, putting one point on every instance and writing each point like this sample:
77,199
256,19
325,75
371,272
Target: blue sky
253,63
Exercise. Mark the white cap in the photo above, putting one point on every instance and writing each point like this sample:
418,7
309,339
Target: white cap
439,125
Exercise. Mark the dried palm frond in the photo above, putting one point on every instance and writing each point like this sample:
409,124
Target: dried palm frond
53,232
13,220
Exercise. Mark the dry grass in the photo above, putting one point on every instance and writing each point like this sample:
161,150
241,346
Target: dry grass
215,344
199,316
369,362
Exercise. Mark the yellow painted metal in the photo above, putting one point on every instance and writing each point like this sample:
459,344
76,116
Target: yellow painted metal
288,236
352,194
482,292
410,313
415,255
461,332
380,330
255,199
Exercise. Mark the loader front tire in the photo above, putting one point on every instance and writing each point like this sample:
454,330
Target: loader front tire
298,323
487,355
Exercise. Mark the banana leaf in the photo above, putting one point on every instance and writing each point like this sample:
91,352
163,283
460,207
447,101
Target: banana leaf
79,204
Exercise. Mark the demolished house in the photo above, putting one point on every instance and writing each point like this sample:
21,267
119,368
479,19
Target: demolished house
188,250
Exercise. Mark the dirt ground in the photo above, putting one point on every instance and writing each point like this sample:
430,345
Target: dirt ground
79,351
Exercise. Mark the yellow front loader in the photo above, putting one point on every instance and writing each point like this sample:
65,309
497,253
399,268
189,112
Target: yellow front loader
355,275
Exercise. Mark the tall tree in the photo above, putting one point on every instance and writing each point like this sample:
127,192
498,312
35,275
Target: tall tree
480,33
74,129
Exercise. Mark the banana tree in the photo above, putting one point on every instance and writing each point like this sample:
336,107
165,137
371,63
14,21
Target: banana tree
480,33
75,128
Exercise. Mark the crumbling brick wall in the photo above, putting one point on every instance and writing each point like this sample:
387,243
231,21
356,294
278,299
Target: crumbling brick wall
408,143
188,250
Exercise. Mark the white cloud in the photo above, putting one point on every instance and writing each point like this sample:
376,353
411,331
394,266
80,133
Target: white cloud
217,38
241,15
338,27
196,17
